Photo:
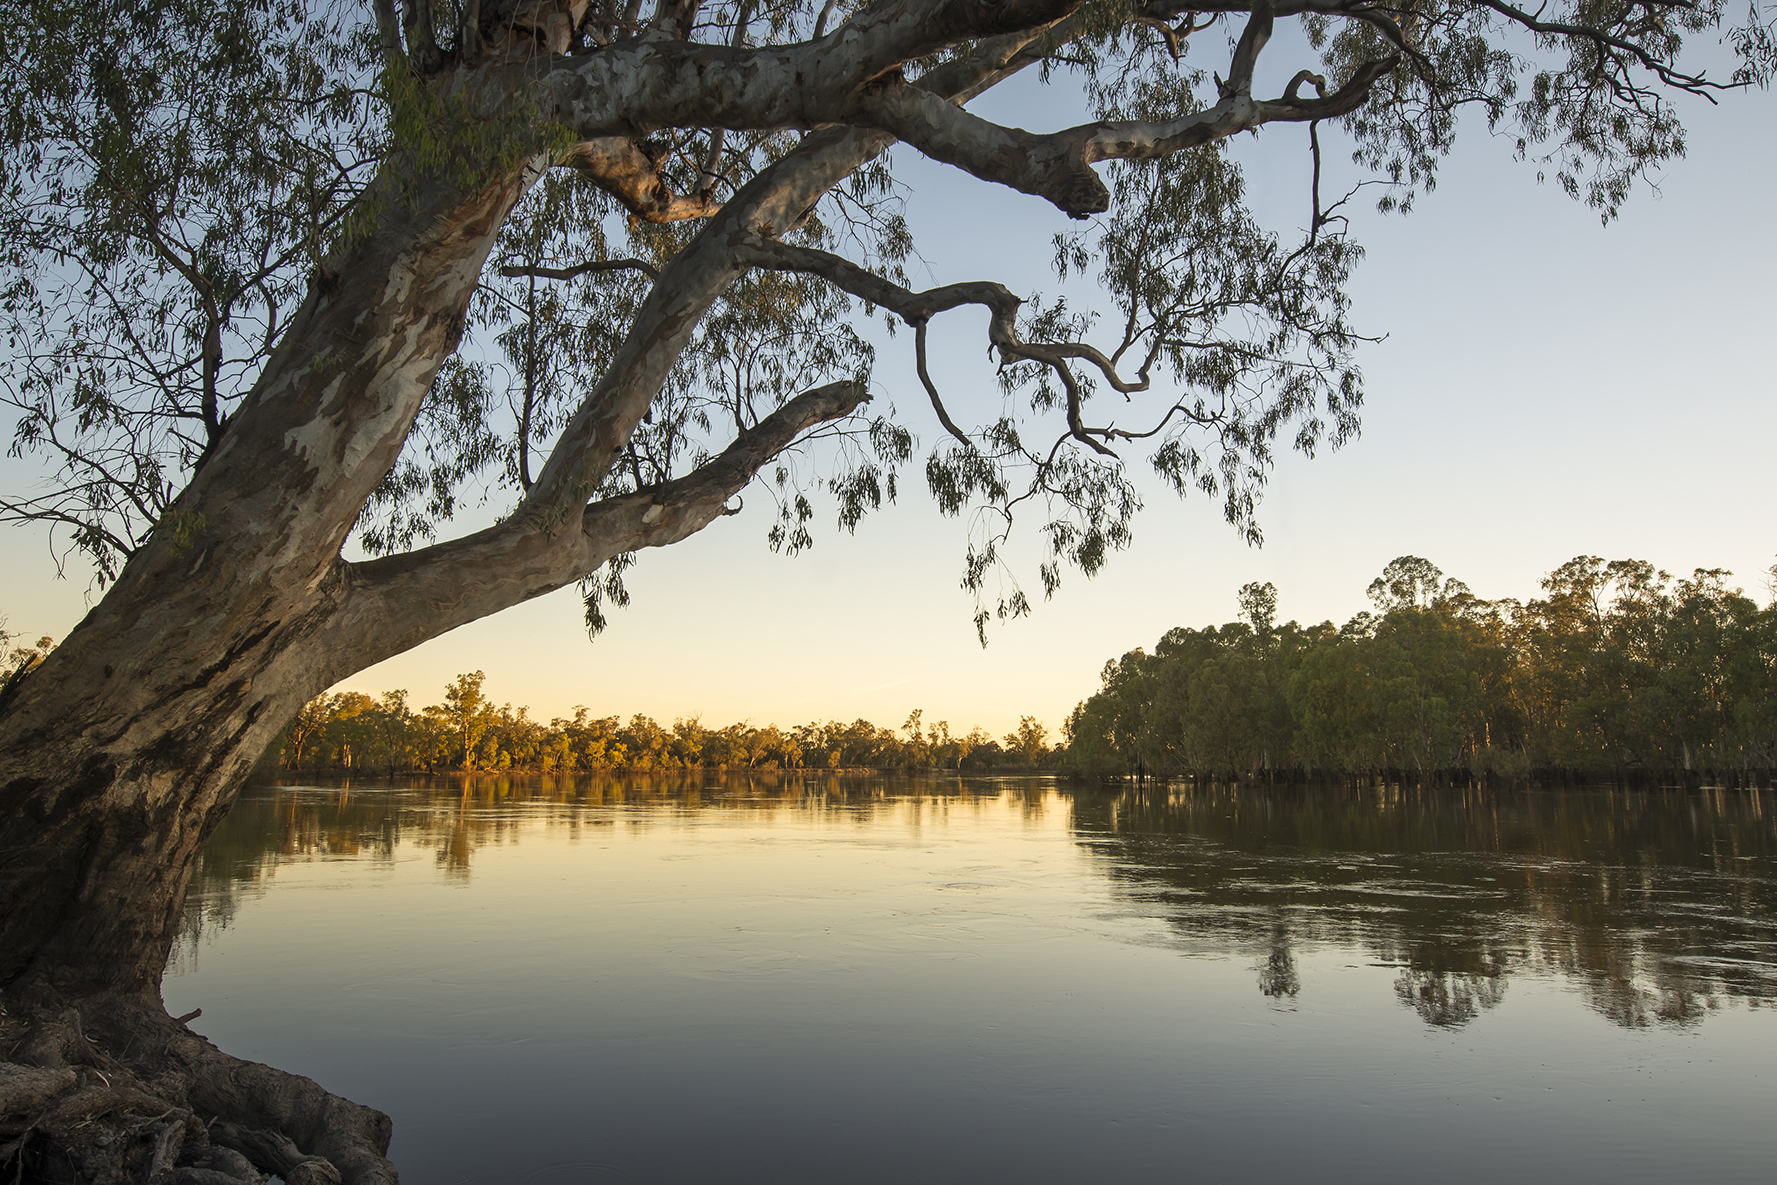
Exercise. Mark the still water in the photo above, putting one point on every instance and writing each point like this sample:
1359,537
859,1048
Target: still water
826,979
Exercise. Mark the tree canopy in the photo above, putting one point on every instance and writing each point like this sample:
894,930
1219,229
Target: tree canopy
178,181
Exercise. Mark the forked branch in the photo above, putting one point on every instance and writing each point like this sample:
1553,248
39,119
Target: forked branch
917,308
533,552
1057,166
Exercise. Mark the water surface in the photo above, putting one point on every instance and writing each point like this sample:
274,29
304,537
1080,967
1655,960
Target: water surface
815,979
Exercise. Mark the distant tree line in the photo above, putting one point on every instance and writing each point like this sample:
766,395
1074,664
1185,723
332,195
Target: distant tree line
351,731
1618,672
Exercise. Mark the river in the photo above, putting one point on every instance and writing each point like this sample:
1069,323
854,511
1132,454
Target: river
814,978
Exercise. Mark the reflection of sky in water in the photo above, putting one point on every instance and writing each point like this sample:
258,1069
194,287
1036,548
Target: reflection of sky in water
825,979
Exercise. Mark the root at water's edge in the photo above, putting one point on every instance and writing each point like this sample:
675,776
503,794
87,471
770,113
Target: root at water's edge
101,1090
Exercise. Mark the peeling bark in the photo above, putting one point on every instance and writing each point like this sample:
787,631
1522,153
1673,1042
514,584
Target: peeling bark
618,166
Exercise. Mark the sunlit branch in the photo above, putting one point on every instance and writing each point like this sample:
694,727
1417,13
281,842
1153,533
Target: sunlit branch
618,166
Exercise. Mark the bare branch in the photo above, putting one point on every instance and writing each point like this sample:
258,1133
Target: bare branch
649,83
919,307
530,554
1246,52
1076,426
689,503
913,307
1057,166
515,271
820,24
925,376
1295,86
1173,34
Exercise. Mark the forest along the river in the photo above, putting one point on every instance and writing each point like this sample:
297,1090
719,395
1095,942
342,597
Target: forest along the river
802,977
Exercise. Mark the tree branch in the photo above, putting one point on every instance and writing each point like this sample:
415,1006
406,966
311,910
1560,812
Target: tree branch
1057,166
388,31
925,376
820,23
919,307
617,165
422,42
514,271
778,197
391,605
649,83
1246,51
1694,83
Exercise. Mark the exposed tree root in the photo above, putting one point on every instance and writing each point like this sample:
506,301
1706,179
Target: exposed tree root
110,1089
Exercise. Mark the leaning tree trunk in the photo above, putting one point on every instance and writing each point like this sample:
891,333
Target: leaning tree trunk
123,750
121,753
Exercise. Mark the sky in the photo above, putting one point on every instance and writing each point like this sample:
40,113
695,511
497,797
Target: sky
1547,387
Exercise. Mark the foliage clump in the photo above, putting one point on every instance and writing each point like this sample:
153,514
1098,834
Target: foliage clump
1619,671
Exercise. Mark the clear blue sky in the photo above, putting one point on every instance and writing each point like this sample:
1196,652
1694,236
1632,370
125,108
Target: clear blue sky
1548,387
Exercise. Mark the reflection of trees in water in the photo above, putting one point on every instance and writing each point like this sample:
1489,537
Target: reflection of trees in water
1277,970
457,815
1449,999
1657,904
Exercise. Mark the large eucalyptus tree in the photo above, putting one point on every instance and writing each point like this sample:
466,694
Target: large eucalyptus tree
279,276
